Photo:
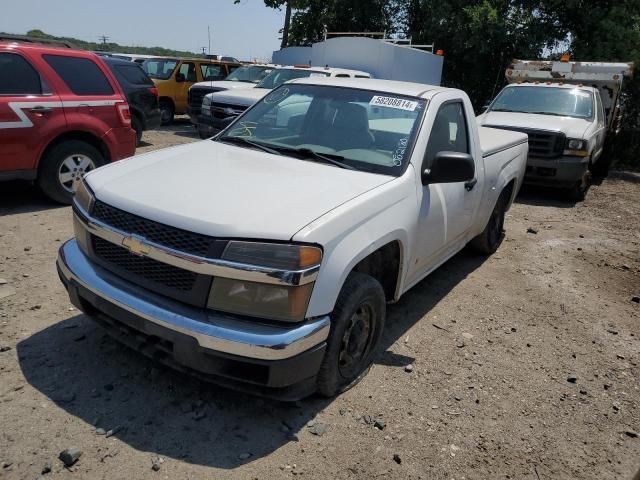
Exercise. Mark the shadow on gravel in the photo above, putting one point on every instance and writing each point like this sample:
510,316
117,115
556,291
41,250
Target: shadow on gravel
544,197
154,409
20,196
418,301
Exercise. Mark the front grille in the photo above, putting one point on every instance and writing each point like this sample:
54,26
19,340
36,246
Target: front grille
542,143
171,237
226,110
144,267
196,95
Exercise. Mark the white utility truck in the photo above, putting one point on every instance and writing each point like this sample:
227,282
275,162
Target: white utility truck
570,110
263,258
221,108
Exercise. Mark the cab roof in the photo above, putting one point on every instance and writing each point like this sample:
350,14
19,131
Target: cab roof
396,87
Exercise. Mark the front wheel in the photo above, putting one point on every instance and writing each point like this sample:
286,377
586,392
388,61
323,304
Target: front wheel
357,322
63,167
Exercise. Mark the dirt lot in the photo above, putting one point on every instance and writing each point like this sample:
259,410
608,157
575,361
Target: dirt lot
526,365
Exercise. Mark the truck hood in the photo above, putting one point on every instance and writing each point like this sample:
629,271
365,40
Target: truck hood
245,96
224,85
228,191
570,126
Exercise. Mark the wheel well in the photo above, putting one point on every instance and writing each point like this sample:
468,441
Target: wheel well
384,266
168,100
81,136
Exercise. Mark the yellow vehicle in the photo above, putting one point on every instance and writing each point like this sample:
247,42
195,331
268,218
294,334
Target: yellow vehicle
174,76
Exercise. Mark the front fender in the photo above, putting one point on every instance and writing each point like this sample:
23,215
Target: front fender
356,229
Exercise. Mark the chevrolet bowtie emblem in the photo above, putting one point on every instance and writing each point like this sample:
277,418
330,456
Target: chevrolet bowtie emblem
136,245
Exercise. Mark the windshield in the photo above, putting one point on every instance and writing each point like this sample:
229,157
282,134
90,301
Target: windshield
160,68
359,129
545,100
279,76
251,74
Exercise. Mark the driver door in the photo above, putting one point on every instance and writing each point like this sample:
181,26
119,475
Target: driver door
188,71
446,209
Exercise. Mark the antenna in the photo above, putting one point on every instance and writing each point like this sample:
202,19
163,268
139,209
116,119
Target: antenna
209,35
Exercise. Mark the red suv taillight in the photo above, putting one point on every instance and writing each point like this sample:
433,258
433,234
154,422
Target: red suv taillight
124,113
154,90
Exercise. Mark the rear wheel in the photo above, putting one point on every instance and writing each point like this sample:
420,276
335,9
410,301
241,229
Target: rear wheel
357,323
166,112
136,124
493,234
63,167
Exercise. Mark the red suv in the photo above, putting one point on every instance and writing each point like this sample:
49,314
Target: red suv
62,113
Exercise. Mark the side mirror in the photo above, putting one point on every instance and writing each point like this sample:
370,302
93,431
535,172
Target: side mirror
180,77
450,167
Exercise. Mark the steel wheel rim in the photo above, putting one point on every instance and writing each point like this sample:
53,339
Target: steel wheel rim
356,341
72,169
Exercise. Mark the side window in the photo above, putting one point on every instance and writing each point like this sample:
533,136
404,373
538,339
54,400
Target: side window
133,74
342,75
189,72
212,72
17,76
449,132
599,113
81,75
231,68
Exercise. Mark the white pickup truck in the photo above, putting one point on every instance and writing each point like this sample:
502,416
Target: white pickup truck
570,110
263,259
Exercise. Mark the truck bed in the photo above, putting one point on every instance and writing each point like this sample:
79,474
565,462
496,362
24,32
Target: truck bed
494,140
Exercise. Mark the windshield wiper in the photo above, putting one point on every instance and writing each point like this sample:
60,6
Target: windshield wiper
324,157
551,113
312,154
506,110
246,141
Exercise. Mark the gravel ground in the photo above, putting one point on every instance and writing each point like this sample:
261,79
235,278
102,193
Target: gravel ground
525,366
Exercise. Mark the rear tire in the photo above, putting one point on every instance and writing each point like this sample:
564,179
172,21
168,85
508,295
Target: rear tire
357,323
491,237
167,112
136,124
64,165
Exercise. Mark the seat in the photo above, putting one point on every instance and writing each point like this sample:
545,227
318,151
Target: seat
349,129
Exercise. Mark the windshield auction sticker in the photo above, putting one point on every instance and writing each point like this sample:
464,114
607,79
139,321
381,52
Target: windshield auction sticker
393,102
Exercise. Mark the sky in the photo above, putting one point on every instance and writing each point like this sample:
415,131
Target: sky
248,30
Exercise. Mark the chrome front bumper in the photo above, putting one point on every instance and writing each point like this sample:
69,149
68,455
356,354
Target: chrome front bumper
212,331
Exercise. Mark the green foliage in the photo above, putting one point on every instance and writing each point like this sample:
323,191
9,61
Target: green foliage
113,47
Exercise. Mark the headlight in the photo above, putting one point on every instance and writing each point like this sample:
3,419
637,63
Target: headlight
84,196
265,300
576,147
206,101
575,144
273,255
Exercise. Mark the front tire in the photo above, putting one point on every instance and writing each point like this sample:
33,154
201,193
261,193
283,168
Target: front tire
357,323
63,167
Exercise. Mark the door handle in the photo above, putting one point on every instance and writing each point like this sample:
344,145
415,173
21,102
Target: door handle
468,186
41,109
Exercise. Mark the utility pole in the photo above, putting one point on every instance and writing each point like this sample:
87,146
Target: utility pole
104,39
